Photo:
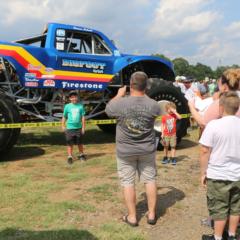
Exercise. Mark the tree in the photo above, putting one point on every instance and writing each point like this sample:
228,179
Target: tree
181,66
202,71
161,56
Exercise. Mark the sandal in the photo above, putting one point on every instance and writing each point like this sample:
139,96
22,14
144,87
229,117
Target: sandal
152,221
125,219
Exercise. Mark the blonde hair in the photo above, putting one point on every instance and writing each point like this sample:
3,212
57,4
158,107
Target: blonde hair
231,77
170,105
230,102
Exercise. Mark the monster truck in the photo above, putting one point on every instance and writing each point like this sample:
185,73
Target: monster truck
36,74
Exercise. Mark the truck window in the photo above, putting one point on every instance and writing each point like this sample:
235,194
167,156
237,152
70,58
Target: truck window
80,42
100,46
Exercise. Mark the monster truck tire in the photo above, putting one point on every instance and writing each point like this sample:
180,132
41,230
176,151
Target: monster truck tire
8,114
107,128
163,91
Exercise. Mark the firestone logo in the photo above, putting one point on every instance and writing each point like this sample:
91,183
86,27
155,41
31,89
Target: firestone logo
93,86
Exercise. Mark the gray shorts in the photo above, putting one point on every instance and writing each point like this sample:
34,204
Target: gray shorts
145,165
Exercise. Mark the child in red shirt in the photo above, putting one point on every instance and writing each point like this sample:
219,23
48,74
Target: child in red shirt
169,132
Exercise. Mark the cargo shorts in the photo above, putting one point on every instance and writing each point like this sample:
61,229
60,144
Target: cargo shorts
223,198
144,165
169,141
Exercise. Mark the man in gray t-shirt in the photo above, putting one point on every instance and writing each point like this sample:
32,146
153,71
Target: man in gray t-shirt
135,143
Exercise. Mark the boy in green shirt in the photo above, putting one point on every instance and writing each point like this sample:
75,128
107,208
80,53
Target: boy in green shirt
73,124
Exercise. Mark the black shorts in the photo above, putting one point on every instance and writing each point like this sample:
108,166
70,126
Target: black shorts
73,136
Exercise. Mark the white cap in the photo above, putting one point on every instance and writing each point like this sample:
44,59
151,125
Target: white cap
177,78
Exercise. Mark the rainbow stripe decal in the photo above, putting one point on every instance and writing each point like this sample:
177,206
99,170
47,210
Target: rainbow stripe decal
38,75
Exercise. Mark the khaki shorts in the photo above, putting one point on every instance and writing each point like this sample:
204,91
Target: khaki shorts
169,141
223,198
145,165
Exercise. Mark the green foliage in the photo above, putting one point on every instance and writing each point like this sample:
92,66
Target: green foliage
161,56
198,71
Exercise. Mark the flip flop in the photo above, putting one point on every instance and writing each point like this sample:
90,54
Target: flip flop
152,221
125,219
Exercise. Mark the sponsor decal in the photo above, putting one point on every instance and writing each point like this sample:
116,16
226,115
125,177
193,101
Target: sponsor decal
49,83
60,39
31,84
92,86
48,76
60,46
116,53
61,33
48,69
83,29
30,77
83,64
33,68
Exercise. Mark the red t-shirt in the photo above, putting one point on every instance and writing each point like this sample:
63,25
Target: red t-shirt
169,124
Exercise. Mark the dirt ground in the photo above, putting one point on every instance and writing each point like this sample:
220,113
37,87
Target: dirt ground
181,199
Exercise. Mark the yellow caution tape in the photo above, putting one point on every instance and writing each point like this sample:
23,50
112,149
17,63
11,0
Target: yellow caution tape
57,124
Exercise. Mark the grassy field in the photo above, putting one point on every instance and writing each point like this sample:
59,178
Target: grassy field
44,198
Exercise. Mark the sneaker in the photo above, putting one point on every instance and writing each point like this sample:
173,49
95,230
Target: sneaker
174,161
208,237
70,160
82,157
165,160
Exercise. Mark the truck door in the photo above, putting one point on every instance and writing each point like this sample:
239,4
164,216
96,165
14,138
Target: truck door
83,59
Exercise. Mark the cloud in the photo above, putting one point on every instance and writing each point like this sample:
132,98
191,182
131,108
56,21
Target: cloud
174,17
233,30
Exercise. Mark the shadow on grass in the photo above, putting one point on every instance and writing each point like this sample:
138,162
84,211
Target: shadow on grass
22,153
92,136
164,201
12,234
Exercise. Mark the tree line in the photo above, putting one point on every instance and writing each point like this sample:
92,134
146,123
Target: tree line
198,71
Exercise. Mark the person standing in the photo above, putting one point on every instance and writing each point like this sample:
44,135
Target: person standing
220,167
135,144
169,138
73,124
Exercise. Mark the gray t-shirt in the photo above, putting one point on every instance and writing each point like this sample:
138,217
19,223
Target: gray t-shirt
135,120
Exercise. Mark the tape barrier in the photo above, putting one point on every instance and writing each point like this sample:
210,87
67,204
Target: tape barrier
58,124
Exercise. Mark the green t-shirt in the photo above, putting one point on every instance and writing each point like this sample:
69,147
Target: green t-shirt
74,113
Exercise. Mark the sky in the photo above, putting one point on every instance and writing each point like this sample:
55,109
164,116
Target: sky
205,31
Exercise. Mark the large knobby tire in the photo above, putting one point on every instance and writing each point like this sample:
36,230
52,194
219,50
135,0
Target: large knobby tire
163,91
107,128
8,114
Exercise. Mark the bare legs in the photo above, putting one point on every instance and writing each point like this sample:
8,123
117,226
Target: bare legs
130,200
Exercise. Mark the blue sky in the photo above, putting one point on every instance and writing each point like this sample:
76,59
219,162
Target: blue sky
206,31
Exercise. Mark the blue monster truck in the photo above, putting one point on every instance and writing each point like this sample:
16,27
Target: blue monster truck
36,74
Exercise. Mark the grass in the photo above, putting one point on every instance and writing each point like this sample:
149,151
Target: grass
44,199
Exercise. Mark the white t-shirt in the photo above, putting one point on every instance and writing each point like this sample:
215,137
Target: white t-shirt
202,104
191,92
223,136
